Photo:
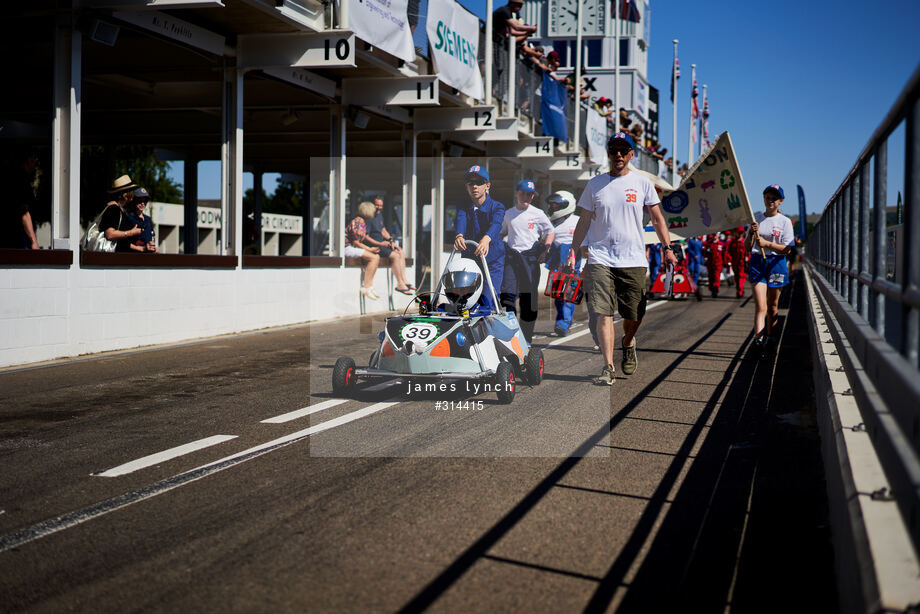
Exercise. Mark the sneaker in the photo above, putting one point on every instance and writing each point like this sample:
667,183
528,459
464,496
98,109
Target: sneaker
607,376
630,362
597,348
369,293
560,332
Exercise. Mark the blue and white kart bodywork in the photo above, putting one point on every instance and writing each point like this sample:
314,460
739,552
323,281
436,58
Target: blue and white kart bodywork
484,344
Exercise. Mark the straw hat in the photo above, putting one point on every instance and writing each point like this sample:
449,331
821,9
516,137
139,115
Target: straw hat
122,184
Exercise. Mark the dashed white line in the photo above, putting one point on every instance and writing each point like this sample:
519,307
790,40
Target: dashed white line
71,519
165,455
306,411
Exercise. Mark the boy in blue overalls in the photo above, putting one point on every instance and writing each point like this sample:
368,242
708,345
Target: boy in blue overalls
480,217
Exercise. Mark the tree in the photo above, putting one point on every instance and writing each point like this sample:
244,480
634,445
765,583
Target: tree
100,165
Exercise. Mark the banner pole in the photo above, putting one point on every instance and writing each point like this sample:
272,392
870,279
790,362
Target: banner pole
576,143
487,98
674,174
690,133
616,66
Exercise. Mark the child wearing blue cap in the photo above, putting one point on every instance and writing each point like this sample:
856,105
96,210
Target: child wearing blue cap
771,237
529,235
480,217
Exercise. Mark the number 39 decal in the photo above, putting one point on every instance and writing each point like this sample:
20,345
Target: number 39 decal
419,332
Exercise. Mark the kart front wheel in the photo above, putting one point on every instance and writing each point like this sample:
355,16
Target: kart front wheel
343,375
533,367
504,383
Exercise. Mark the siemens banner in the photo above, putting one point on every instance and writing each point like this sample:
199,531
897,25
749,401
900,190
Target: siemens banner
383,24
453,33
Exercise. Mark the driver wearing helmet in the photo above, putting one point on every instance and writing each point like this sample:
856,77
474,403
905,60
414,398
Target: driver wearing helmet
463,285
561,206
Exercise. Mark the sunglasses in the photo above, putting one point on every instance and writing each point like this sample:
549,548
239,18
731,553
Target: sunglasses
476,182
623,151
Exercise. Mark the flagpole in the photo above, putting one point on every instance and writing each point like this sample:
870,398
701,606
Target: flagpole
674,122
577,141
690,133
616,66
487,97
702,119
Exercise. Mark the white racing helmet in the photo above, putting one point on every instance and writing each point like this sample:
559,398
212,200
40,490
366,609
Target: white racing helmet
462,282
560,204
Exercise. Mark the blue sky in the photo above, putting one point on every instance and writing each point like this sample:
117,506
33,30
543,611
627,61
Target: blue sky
800,85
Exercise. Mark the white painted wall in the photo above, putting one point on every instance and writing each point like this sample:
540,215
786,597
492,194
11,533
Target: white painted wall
48,313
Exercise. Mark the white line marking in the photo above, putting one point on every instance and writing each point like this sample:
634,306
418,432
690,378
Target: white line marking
165,455
71,519
306,411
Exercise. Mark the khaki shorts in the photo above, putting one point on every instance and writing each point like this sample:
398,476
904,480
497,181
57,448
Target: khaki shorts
613,289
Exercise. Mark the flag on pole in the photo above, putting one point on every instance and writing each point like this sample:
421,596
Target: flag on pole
675,74
629,11
695,109
802,214
706,142
554,107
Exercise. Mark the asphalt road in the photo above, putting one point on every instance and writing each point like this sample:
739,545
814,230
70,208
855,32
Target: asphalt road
695,481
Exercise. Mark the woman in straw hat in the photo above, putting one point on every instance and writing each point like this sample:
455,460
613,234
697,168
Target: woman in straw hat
115,221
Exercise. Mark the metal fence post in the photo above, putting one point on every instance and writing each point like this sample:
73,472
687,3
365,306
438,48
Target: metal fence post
852,239
879,262
911,313
844,238
862,256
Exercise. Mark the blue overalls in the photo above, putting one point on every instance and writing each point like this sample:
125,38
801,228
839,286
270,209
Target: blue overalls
476,222
694,258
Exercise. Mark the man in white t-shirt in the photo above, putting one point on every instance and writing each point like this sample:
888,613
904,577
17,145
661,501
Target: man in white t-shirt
528,236
612,227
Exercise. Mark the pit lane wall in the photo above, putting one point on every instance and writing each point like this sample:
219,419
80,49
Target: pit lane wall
54,312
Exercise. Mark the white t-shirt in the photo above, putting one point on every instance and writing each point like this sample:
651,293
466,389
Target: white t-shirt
523,228
775,229
616,236
565,231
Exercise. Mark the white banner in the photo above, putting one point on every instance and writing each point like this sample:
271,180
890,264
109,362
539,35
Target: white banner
711,198
453,33
596,135
383,24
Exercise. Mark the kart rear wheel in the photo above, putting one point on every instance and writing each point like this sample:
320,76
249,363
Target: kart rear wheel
504,382
343,375
533,367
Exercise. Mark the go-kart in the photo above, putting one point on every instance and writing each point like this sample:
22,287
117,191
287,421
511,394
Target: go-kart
481,347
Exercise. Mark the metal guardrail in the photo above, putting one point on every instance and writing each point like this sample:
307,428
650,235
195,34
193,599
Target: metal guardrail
879,313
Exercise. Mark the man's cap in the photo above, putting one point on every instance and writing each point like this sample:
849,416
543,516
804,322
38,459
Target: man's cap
476,169
141,193
739,229
526,186
620,138
603,100
775,188
553,55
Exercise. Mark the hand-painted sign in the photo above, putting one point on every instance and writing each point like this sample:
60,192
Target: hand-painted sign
383,24
453,33
712,197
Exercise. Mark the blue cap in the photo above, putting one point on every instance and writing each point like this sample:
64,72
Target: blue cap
476,169
775,188
619,138
141,193
526,186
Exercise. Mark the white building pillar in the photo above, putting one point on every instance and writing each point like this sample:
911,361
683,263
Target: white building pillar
337,168
65,147
231,167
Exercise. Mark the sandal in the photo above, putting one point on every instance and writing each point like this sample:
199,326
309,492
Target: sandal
407,291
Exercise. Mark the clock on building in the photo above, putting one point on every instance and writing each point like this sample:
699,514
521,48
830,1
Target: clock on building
563,16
